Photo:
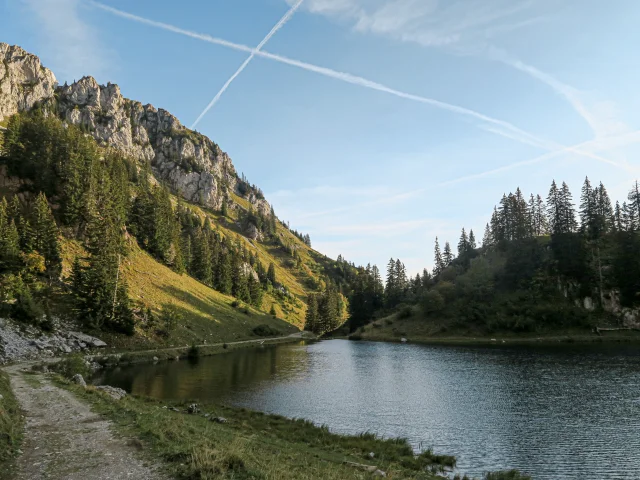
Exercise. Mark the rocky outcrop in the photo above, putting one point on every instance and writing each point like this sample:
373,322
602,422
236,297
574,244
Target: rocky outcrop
189,162
23,80
23,342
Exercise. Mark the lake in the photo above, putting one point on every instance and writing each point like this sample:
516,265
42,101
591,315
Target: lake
569,412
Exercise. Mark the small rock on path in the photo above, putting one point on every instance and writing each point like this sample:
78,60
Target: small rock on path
64,439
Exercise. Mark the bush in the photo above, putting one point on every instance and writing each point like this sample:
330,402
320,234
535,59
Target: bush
70,366
235,304
265,331
193,353
432,302
171,316
405,311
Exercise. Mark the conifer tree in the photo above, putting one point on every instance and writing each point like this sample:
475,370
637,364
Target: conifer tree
311,318
634,200
255,291
201,265
487,239
45,235
447,256
463,243
472,240
271,274
439,263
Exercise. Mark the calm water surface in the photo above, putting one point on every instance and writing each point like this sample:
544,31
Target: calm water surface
556,413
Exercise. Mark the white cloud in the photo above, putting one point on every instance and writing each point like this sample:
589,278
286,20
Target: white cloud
72,44
427,22
466,27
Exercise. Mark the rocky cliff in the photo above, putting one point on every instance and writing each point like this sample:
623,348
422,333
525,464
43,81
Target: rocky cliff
189,162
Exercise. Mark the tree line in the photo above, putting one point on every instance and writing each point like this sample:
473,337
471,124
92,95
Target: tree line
538,257
101,198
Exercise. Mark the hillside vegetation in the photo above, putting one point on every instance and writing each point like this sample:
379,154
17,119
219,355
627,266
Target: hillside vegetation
88,233
542,270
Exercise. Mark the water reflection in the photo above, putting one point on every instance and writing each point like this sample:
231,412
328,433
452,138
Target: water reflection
570,412
209,378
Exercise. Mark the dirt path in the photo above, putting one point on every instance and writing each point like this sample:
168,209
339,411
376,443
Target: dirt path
64,439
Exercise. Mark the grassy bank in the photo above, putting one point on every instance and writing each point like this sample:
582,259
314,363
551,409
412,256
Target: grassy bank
255,445
419,330
179,353
10,428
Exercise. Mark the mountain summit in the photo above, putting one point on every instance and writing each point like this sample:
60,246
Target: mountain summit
190,163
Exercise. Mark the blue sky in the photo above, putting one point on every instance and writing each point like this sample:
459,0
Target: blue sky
373,125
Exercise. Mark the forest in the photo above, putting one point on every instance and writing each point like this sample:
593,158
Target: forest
73,189
542,265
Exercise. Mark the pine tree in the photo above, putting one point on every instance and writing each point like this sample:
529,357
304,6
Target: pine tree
447,256
439,263
487,239
311,318
554,209
569,223
472,240
224,210
255,291
271,274
45,235
617,218
634,200
463,243
202,260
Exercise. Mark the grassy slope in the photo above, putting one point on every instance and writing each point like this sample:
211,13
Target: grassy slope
252,444
10,427
208,315
418,329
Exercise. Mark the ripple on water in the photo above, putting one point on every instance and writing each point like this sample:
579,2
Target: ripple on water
557,413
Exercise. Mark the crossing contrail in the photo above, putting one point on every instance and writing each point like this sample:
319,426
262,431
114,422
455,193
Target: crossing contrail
491,124
253,53
515,132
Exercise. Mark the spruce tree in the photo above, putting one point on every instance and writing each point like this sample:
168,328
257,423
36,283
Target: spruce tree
447,256
311,318
271,274
463,243
45,235
439,263
634,200
487,239
255,291
472,240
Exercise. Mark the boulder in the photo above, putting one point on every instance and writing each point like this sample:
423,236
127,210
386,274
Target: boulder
87,340
379,473
193,409
113,392
219,420
79,379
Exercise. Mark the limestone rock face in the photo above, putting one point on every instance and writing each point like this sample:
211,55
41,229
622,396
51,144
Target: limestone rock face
23,80
189,162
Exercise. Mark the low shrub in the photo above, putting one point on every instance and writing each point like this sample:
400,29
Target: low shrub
70,366
265,331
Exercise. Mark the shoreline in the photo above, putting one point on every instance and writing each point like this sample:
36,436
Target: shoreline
496,340
131,357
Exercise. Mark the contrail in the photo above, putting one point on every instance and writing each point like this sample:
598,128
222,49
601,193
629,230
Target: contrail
264,41
506,129
521,135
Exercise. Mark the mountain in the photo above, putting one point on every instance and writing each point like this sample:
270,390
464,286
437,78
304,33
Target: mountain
190,163
177,199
